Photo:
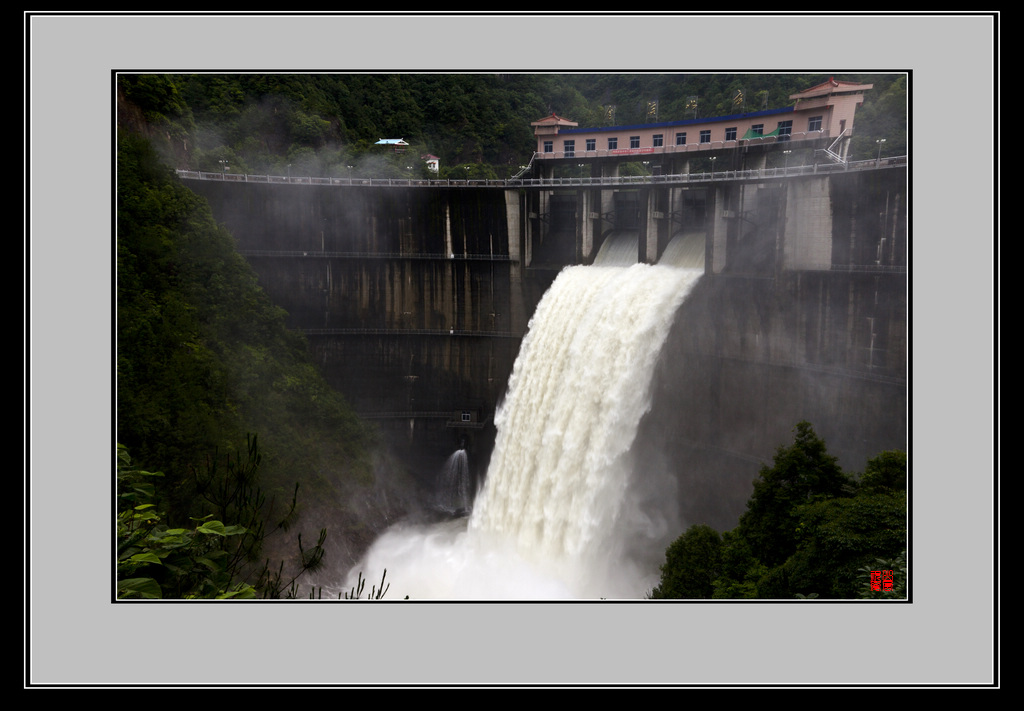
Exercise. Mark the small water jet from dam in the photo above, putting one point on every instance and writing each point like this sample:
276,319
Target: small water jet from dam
563,512
456,488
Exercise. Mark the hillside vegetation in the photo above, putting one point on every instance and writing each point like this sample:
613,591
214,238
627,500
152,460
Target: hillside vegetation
206,369
327,124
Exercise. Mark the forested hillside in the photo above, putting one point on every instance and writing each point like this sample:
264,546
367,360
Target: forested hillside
327,124
211,385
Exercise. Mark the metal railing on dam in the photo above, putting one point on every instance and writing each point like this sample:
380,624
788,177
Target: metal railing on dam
408,332
754,174
412,256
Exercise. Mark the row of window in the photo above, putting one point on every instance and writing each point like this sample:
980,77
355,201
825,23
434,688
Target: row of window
785,129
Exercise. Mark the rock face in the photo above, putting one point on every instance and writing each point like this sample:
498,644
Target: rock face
415,300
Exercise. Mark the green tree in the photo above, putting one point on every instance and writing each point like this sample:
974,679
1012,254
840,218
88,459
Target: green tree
692,564
885,473
204,357
163,106
740,570
883,116
840,535
155,560
802,473
208,558
468,171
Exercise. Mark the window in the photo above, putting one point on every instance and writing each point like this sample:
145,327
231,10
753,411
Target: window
785,130
681,139
570,148
613,143
634,141
757,129
730,134
591,144
705,136
814,123
549,146
659,140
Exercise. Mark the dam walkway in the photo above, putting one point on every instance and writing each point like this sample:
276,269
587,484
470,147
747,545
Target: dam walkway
547,183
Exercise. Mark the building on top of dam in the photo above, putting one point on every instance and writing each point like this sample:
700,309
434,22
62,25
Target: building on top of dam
823,114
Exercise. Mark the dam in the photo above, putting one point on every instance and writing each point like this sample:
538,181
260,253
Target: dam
415,297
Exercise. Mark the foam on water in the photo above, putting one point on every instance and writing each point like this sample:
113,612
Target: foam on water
556,516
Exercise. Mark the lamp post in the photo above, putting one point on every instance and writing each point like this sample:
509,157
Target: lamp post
713,159
223,166
785,166
878,158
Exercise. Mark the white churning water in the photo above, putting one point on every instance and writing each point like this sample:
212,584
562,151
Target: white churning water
556,512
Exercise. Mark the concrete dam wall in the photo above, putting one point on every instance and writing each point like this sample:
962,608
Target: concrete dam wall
415,301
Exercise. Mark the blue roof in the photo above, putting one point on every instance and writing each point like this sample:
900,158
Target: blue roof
686,122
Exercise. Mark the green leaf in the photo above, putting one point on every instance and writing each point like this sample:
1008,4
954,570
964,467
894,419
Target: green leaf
145,558
243,592
139,587
209,564
212,527
219,529
145,488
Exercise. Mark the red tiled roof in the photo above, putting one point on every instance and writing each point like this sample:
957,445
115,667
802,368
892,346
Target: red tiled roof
829,87
554,119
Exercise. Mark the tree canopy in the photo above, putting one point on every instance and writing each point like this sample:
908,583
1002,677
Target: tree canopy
205,362
802,473
327,124
810,530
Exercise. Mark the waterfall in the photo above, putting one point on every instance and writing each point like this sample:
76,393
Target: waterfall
619,249
560,510
686,249
455,493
